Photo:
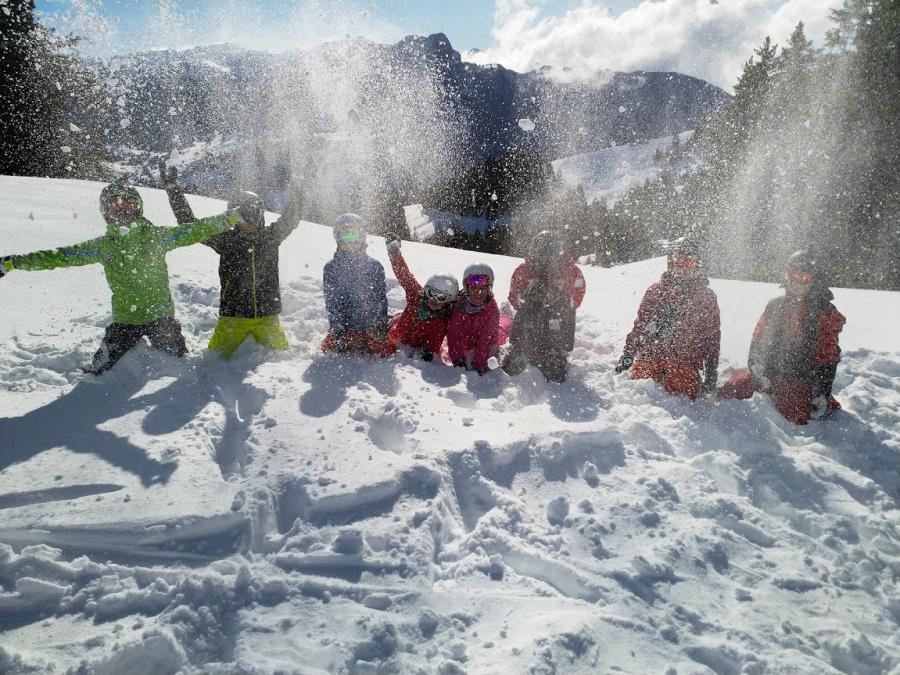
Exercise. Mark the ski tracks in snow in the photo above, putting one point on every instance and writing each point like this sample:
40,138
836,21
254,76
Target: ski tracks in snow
394,519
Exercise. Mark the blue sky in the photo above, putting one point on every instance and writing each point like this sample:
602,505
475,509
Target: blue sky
709,39
131,24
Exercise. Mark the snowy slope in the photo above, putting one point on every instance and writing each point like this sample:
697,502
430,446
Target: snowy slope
610,173
424,222
298,513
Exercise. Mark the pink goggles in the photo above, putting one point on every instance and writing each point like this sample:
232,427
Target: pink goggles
479,280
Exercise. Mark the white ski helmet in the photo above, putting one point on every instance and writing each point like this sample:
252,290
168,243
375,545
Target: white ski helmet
478,269
349,222
443,283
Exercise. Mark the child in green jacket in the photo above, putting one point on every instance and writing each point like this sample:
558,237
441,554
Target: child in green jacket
133,255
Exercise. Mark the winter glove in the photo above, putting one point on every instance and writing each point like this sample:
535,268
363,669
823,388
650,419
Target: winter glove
819,407
427,355
710,380
823,379
6,265
459,363
624,363
393,246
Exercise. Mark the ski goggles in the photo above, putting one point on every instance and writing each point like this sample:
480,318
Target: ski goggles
479,281
800,277
349,237
685,262
436,295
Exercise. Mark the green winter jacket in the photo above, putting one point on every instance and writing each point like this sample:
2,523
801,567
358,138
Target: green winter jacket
134,261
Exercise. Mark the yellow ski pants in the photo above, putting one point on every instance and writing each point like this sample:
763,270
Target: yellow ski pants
231,331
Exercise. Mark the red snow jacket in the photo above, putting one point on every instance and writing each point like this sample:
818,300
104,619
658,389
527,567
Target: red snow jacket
416,326
678,321
794,337
566,278
473,332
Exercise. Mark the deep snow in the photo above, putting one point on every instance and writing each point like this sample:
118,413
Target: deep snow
289,512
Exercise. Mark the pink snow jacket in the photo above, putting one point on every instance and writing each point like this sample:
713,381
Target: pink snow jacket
472,333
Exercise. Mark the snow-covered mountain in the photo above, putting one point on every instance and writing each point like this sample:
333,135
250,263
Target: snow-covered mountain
169,100
609,173
297,513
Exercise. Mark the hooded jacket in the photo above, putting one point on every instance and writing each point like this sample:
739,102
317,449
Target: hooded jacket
134,262
416,326
677,321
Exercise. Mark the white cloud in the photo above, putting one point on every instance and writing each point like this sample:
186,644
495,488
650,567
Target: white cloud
704,38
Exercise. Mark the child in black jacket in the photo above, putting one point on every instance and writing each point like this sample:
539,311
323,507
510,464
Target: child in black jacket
250,298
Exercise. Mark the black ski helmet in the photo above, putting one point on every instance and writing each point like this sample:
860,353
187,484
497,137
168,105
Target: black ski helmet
685,246
804,261
249,206
545,249
349,223
120,190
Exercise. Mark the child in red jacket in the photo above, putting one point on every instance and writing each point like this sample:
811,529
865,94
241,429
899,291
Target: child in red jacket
546,290
794,351
474,328
423,323
677,331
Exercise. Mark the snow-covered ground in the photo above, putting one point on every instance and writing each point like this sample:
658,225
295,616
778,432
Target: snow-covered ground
610,173
289,512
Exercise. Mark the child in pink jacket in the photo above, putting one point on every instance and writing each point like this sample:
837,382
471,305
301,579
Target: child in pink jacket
474,328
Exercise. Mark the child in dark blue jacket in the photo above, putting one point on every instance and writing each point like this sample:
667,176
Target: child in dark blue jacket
355,294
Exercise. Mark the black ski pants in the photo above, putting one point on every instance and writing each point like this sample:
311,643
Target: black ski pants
164,334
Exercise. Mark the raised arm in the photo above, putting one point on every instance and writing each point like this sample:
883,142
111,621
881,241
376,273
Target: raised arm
85,253
290,218
401,270
196,232
168,179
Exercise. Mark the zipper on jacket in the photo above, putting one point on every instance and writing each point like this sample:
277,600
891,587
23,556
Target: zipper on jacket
224,292
253,273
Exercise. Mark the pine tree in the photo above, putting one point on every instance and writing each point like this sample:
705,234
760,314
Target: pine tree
51,111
